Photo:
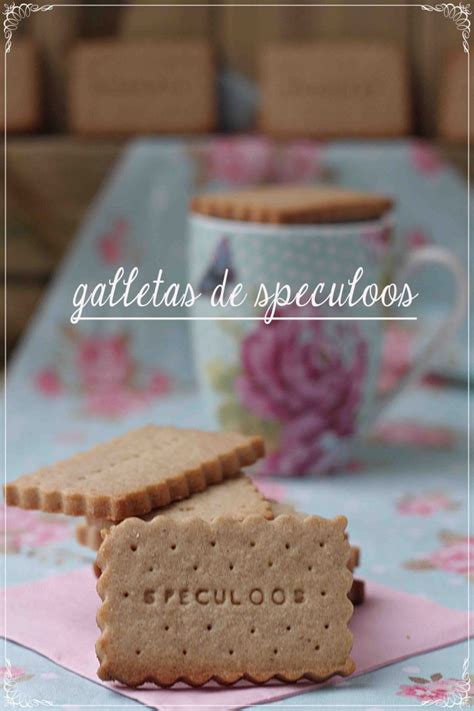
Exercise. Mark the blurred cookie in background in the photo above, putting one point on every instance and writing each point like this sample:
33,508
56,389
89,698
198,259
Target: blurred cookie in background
334,89
132,87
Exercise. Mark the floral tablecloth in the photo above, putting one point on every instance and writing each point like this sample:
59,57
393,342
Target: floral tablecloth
69,387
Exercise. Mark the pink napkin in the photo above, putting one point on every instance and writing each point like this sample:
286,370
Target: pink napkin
56,617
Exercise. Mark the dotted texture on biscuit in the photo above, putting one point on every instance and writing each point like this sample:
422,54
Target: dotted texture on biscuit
133,474
280,508
235,498
254,599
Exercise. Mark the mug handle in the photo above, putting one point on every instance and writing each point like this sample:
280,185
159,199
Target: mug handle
447,326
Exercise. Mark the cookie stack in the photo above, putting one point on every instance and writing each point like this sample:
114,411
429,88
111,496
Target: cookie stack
200,576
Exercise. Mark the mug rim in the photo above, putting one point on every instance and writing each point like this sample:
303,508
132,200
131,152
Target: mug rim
324,229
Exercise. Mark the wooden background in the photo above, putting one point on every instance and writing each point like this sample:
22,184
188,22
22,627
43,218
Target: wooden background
237,32
53,177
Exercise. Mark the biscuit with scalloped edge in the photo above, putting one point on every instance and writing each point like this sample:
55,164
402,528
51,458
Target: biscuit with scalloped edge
237,497
292,205
255,599
133,474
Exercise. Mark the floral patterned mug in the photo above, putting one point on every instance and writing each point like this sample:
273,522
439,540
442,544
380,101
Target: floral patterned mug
309,386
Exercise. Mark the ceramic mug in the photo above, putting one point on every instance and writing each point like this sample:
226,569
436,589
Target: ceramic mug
309,386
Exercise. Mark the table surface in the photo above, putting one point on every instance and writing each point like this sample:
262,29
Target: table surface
407,505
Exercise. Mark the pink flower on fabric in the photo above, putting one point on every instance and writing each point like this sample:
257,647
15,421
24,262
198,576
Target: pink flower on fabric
456,557
417,238
240,161
102,360
431,691
425,158
305,455
107,372
48,382
396,356
397,359
425,504
414,434
299,161
378,240
308,376
106,375
114,401
160,383
28,529
111,244
11,672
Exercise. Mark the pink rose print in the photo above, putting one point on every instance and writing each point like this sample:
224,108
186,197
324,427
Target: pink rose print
425,159
48,382
250,160
396,356
159,383
111,244
115,402
425,504
456,557
103,361
11,672
397,359
307,376
241,161
417,238
410,433
432,690
378,241
14,673
299,161
28,529
106,375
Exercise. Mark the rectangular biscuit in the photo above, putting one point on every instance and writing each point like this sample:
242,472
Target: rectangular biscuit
135,473
237,498
331,89
292,205
120,88
255,599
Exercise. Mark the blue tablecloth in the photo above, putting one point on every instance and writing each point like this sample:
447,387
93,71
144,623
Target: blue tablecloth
406,505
